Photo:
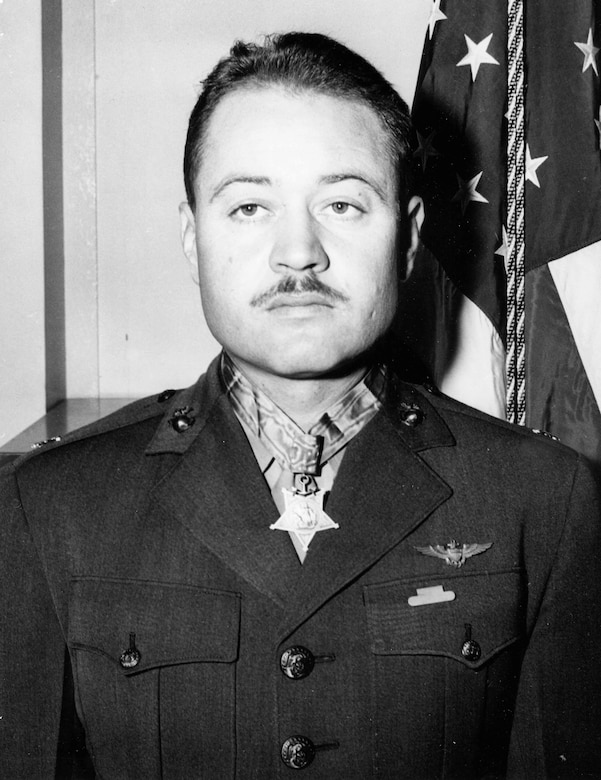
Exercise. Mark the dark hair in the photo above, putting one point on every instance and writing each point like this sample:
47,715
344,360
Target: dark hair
302,62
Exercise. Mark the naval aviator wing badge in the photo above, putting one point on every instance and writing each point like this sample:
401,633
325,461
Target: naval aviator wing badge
453,553
304,516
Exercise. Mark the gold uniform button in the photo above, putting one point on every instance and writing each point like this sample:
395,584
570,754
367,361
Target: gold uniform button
165,396
297,752
129,658
297,662
471,650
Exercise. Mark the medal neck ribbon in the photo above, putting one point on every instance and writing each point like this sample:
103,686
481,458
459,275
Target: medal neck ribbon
293,449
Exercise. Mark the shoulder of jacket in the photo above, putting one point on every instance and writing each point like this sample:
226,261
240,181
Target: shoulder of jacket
132,414
458,414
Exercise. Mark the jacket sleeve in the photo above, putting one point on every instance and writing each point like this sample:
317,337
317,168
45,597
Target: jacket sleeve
32,649
557,724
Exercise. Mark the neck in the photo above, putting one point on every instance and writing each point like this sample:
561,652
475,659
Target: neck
303,400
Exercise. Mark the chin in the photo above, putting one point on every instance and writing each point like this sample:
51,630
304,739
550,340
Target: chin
314,365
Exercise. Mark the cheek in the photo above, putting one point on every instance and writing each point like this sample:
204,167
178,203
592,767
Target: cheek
381,282
215,290
215,270
383,309
383,296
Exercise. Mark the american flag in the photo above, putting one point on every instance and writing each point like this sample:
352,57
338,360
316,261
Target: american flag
460,114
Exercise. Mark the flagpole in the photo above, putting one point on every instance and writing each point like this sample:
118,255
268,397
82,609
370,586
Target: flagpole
516,287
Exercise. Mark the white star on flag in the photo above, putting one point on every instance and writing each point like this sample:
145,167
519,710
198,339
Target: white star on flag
477,55
436,15
425,148
503,250
589,51
532,165
598,123
467,191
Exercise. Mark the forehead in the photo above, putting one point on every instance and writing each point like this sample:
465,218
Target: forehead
276,132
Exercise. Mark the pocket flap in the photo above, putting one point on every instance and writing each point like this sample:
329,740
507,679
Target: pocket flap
172,623
485,608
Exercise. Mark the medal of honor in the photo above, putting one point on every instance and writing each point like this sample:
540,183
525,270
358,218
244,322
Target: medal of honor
304,516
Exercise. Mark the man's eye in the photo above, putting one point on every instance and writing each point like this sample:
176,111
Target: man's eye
247,210
340,207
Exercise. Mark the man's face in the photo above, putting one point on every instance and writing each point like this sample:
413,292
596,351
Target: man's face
294,232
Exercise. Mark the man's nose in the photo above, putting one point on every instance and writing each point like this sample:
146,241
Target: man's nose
298,246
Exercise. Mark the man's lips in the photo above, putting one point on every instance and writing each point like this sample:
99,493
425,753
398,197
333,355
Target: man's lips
294,300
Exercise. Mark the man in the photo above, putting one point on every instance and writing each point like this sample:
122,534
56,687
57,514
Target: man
302,562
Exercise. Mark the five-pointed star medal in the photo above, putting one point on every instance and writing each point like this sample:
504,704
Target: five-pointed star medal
477,55
467,191
532,164
590,53
304,516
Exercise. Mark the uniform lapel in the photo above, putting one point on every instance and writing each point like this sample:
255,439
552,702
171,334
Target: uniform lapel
217,492
382,492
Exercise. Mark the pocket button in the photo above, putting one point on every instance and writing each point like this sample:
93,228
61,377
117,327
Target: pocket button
471,650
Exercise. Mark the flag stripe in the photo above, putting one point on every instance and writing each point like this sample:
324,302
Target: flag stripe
560,397
577,278
453,336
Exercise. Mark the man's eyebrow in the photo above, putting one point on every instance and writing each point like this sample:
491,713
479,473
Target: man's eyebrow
334,178
238,179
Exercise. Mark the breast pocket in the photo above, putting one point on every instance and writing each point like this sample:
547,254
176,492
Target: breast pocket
445,663
154,670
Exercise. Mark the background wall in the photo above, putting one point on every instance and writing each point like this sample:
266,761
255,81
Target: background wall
22,359
130,74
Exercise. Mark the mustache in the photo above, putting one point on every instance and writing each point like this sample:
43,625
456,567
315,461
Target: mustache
289,285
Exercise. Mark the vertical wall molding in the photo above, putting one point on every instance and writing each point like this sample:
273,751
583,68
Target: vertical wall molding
80,198
52,167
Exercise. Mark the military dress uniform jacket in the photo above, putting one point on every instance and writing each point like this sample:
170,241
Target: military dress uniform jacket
148,608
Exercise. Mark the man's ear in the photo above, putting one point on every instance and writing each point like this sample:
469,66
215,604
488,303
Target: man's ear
415,213
188,234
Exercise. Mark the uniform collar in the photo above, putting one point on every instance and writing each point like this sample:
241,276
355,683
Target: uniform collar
410,409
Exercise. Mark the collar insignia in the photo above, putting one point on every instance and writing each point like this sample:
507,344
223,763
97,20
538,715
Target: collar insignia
453,553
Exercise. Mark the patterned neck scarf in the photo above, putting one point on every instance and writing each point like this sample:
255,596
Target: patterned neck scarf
293,449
